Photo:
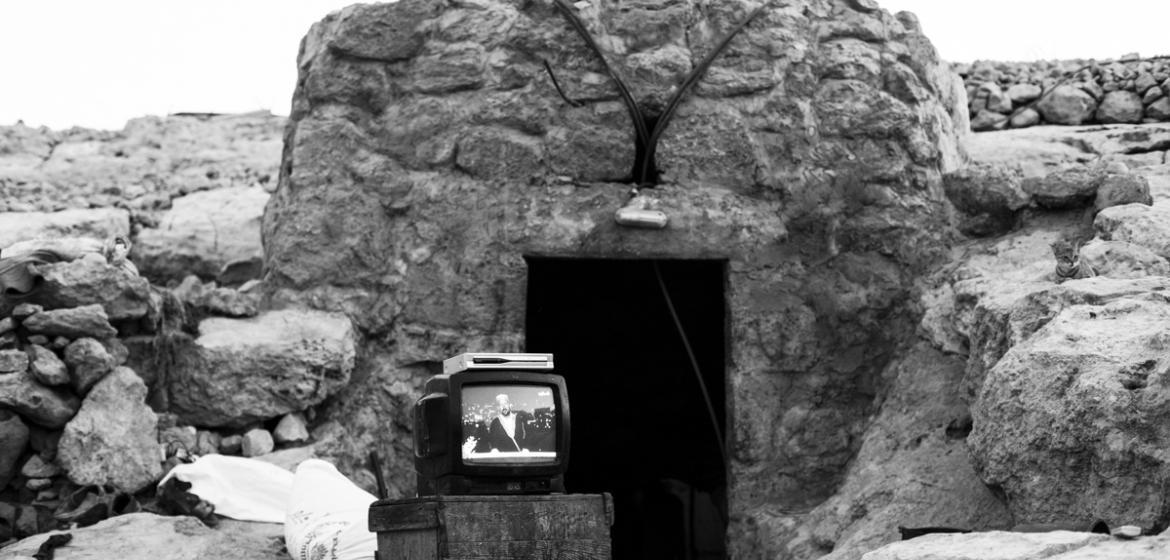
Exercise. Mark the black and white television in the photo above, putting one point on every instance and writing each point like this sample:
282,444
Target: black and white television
492,424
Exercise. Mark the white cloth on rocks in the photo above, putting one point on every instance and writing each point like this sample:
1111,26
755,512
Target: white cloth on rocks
324,513
238,487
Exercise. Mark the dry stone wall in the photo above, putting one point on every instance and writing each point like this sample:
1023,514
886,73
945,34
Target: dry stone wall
1072,92
104,375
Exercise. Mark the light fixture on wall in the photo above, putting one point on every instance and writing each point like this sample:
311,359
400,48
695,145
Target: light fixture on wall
637,213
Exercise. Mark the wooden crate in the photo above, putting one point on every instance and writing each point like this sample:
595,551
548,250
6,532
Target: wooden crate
557,526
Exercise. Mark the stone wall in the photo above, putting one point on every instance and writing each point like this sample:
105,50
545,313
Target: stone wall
107,380
428,153
1021,94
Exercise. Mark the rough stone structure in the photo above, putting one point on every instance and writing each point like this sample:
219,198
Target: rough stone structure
428,153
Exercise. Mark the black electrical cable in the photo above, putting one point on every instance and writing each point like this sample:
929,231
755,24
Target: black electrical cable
694,364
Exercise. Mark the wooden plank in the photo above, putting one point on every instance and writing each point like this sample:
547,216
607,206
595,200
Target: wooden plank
405,516
408,545
524,520
529,550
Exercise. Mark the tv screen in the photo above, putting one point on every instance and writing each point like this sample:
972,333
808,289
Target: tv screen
508,424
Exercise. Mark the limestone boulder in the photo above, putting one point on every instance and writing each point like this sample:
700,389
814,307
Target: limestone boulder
45,406
1144,82
202,233
988,120
13,360
1025,118
22,311
37,229
75,322
988,195
257,441
240,371
1121,106
231,302
13,439
147,536
1067,105
91,280
1001,545
231,445
1021,93
1122,188
292,428
1070,188
207,441
88,363
220,301
1071,422
1122,259
46,367
1159,109
114,437
37,467
1151,95
1148,226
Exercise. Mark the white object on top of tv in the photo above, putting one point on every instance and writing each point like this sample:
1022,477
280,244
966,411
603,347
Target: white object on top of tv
490,361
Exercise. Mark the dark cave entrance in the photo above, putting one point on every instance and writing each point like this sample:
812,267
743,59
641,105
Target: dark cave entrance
641,427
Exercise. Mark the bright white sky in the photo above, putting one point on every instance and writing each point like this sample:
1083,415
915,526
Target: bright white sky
98,63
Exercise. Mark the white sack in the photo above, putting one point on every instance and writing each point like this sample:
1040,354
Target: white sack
328,516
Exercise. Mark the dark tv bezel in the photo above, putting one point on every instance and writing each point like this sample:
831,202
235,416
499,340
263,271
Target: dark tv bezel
455,385
442,470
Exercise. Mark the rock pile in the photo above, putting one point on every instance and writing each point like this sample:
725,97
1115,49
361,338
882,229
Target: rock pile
107,380
1021,94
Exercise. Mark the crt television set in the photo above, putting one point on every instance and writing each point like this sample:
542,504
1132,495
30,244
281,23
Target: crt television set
492,424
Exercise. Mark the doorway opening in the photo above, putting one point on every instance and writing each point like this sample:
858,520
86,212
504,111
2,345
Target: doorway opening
642,428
